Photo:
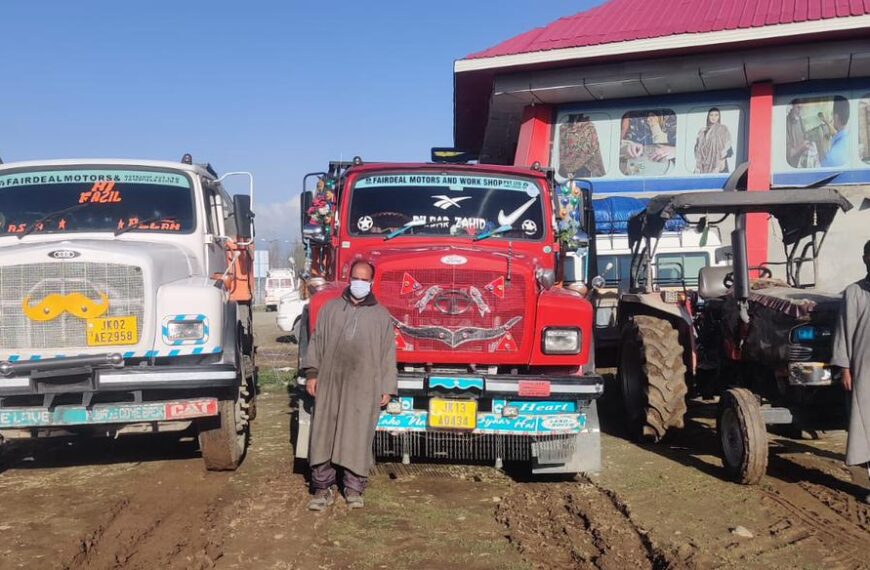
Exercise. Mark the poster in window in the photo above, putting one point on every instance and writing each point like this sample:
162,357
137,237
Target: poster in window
715,131
582,146
864,128
816,132
648,141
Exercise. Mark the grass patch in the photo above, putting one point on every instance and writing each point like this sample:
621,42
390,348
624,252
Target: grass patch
273,378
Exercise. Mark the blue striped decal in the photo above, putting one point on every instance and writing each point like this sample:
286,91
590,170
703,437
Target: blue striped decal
196,351
173,318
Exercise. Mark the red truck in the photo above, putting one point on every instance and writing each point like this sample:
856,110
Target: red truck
494,357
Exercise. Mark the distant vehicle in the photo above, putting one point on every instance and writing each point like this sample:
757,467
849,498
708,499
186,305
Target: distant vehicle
290,308
279,282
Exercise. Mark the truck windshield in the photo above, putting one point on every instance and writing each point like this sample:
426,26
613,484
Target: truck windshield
66,201
446,205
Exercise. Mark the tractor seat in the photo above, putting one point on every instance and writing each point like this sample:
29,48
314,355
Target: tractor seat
711,282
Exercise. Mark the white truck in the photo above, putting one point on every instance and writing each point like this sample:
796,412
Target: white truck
279,282
125,303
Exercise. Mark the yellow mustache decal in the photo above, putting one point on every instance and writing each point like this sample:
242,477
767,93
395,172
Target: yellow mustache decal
55,305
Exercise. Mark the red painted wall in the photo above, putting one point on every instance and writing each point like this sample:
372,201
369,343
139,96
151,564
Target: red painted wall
535,136
760,148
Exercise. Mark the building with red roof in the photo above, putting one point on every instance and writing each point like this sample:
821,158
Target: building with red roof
651,96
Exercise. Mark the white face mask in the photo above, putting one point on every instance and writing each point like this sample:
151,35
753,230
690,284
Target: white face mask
360,289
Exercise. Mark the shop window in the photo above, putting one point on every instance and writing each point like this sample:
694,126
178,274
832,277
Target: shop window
864,128
714,148
648,141
816,132
583,145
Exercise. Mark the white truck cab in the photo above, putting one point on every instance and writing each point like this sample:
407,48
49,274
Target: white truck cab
125,302
279,282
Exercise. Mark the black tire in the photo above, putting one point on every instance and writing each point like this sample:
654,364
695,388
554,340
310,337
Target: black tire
652,377
742,436
222,441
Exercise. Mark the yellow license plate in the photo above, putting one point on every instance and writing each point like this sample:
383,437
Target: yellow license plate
112,331
452,414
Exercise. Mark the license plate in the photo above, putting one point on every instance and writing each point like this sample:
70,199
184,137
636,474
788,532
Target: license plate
112,331
452,414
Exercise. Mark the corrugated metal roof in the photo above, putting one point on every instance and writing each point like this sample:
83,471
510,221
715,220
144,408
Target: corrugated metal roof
627,20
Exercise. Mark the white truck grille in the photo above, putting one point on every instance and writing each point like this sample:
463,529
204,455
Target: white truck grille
121,283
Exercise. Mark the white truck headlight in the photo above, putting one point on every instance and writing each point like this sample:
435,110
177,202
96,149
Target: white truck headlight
185,330
561,341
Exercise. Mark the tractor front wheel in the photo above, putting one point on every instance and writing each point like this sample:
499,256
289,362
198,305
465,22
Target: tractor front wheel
743,436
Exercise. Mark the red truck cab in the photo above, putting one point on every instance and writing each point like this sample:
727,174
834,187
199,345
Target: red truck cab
494,357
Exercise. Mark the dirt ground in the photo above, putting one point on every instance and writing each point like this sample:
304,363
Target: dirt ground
148,503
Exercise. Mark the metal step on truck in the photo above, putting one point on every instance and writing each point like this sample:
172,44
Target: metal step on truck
125,303
494,355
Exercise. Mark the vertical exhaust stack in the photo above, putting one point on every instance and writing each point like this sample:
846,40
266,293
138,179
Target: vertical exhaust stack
741,267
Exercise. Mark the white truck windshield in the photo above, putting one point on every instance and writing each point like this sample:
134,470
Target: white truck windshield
449,204
102,200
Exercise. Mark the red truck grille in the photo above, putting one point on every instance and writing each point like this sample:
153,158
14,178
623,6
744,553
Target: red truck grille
460,310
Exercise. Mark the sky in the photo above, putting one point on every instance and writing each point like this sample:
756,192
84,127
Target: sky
276,88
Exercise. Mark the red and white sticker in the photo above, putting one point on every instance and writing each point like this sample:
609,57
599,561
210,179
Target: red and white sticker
534,388
191,409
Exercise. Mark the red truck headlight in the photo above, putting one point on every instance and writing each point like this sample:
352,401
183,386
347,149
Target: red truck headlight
561,340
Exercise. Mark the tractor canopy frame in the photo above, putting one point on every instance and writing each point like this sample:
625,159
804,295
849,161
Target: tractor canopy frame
804,215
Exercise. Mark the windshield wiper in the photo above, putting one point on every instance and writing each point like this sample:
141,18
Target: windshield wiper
405,228
51,216
146,221
493,232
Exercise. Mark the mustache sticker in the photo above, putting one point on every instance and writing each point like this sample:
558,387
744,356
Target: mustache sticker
76,304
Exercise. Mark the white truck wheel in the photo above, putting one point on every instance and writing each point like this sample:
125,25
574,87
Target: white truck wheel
224,442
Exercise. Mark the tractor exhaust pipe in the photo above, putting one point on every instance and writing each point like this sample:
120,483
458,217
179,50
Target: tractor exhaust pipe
741,265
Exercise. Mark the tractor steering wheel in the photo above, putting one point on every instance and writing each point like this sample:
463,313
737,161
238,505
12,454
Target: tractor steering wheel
764,272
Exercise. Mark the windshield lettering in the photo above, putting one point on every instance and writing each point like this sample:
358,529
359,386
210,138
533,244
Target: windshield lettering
95,201
101,193
405,204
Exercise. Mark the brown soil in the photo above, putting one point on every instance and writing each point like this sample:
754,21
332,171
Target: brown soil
148,503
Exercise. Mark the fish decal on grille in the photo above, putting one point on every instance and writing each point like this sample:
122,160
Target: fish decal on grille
427,297
477,297
456,337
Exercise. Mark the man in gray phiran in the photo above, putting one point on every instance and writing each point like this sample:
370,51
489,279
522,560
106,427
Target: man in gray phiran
350,371
852,354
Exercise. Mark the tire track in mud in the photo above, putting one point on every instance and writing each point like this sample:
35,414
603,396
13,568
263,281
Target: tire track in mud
835,520
578,526
173,526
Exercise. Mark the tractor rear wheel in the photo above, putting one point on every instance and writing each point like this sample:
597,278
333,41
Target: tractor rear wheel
652,376
743,436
